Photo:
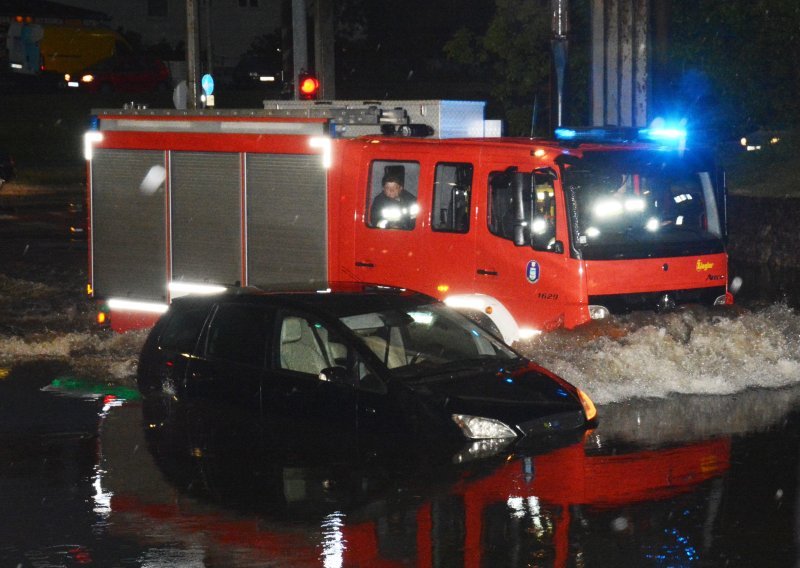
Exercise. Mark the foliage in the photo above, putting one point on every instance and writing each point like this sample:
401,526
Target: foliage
744,53
515,52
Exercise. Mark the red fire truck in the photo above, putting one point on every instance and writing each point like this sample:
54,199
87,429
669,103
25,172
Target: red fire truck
527,234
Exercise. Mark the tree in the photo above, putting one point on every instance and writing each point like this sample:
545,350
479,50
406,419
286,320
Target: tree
514,52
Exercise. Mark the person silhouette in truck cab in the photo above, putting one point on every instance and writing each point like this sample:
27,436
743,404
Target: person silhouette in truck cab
394,207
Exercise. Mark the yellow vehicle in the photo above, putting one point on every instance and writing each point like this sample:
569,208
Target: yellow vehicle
51,48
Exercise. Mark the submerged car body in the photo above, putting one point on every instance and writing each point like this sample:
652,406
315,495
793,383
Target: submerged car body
382,363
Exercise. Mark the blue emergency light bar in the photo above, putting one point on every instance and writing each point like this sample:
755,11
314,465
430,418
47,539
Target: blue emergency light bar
664,135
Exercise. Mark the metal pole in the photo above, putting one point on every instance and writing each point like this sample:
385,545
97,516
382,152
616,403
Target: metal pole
299,42
324,53
560,26
209,55
192,54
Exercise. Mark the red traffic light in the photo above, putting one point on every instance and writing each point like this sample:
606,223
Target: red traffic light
308,86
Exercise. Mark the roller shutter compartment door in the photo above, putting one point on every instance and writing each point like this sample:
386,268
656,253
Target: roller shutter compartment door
287,222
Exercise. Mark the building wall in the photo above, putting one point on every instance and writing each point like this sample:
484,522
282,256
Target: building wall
234,23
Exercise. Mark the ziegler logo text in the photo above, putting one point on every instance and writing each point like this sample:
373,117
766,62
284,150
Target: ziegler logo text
702,266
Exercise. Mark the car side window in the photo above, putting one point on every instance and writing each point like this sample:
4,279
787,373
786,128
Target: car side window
306,346
183,330
238,334
392,196
451,198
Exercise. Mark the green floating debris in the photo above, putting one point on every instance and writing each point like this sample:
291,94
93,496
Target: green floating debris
82,386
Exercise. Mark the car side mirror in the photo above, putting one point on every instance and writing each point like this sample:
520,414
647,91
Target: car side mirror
338,375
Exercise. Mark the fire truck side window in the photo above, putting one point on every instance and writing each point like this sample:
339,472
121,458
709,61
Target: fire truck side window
392,196
501,212
451,198
538,208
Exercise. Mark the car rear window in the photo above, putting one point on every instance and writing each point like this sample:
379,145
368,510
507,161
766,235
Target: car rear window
182,330
238,334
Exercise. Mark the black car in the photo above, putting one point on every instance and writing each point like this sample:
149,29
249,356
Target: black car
377,363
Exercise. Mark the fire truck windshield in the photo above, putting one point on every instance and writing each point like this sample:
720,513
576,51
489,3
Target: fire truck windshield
642,204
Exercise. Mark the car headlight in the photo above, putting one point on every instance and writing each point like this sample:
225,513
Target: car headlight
480,428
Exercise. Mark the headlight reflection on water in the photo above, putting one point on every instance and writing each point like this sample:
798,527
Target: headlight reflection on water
333,542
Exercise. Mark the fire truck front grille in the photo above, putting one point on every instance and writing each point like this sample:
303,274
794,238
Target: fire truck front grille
624,303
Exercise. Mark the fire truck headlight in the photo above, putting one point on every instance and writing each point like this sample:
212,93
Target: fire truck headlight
88,78
607,208
635,205
599,312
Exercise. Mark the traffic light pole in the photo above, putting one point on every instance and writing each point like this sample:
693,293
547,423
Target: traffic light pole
299,43
192,54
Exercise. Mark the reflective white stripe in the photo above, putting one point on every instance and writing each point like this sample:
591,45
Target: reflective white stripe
178,289
89,140
134,306
324,143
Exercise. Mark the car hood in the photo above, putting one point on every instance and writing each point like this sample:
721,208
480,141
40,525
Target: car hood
528,397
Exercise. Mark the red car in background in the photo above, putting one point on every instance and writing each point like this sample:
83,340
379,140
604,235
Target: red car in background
127,74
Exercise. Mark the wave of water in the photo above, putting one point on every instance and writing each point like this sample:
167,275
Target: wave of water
691,351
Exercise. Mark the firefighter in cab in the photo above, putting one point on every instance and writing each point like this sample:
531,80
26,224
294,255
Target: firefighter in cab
394,207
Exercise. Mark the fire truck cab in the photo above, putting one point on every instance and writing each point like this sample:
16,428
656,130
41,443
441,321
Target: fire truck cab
525,234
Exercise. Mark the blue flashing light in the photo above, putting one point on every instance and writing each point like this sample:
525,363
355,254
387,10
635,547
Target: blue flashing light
94,122
667,134
566,133
509,380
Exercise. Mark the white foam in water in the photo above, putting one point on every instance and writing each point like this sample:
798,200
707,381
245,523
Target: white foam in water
104,356
691,351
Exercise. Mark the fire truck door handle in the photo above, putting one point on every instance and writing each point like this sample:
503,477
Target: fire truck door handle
484,272
364,264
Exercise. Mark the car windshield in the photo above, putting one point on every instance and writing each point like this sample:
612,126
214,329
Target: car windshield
639,204
427,340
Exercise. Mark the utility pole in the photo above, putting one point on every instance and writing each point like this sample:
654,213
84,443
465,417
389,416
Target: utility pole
299,43
192,54
324,53
560,27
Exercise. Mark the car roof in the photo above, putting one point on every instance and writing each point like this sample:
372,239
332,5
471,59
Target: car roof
335,300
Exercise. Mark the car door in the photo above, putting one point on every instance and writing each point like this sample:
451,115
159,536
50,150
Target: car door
530,280
229,367
387,252
316,409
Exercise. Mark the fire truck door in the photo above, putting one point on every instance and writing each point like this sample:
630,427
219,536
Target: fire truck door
528,279
387,237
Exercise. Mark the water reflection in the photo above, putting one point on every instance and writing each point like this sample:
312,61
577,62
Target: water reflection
674,481
657,493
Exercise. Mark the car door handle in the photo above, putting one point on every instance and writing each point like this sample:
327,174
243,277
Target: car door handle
484,272
364,264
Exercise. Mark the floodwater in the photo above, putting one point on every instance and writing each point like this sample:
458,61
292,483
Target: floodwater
695,460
